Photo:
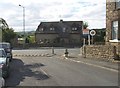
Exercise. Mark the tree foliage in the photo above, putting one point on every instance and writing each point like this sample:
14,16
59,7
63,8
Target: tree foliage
8,34
85,25
30,39
3,24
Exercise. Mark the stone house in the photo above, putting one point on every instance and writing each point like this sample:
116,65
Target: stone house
113,24
59,33
112,21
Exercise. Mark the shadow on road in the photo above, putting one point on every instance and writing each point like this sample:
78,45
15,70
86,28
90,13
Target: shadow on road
19,71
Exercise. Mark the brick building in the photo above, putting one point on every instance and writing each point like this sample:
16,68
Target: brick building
59,33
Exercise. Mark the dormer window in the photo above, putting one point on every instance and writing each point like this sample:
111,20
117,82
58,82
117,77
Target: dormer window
64,29
41,29
117,4
74,29
52,29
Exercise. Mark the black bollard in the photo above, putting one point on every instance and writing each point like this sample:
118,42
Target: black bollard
66,53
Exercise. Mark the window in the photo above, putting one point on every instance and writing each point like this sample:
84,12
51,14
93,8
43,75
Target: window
64,29
41,29
52,29
74,29
114,30
117,4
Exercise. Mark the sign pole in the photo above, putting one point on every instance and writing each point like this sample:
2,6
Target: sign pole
92,33
84,41
92,39
88,39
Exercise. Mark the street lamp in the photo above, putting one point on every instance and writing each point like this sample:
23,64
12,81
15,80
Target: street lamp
23,24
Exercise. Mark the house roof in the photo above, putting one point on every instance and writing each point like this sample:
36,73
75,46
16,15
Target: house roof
59,25
62,28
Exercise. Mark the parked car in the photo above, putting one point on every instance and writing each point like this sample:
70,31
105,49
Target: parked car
8,49
4,63
2,81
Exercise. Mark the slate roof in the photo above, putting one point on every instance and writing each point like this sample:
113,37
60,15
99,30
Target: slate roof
59,25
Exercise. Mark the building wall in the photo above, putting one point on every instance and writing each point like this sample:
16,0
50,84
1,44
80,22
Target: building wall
76,38
111,15
43,37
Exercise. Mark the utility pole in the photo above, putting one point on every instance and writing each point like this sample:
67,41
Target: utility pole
23,25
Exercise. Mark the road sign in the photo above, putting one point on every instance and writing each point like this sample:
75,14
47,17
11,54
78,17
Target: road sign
85,31
92,32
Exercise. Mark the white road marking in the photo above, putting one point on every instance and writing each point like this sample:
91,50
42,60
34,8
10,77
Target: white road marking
110,69
44,72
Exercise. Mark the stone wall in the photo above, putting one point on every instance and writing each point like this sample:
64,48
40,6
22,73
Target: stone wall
118,50
106,52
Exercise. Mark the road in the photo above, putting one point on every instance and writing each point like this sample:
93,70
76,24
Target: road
58,51
57,71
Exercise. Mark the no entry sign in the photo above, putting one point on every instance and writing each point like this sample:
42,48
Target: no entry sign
92,32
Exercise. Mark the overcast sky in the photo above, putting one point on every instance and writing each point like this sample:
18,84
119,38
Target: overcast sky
36,11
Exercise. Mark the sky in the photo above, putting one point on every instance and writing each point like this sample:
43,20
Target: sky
91,11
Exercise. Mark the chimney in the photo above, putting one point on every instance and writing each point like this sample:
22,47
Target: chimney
61,20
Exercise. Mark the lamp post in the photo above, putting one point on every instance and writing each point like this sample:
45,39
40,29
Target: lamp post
23,24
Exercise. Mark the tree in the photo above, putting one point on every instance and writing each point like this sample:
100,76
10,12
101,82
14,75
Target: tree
3,24
31,38
85,25
8,34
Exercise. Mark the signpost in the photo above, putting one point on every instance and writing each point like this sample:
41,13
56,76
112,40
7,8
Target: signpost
92,33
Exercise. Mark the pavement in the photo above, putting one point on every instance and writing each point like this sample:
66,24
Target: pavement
108,65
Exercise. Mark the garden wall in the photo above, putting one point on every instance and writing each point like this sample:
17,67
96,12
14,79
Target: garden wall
106,52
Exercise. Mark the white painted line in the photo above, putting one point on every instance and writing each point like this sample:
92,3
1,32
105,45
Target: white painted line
110,69
78,61
44,72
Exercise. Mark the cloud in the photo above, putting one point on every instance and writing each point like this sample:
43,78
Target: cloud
37,11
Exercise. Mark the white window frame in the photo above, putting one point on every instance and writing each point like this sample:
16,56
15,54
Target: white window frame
74,29
52,29
114,32
41,29
64,29
117,4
